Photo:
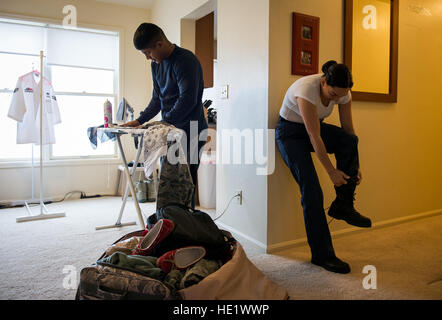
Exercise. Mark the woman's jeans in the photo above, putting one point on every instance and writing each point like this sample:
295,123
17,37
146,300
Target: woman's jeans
295,147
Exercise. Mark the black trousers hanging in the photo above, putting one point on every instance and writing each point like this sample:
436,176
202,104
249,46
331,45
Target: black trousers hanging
294,144
193,155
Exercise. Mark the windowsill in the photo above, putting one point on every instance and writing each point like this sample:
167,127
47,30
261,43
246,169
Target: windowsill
60,163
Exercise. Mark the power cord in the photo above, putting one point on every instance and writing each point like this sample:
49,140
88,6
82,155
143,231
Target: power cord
82,195
237,195
66,196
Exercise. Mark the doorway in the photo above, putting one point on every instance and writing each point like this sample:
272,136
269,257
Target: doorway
199,35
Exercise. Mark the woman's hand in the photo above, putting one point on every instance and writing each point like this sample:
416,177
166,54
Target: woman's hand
359,176
338,177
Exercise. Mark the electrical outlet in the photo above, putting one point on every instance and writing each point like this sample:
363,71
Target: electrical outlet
224,92
239,197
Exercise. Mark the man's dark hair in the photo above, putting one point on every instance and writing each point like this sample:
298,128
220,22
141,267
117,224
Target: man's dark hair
147,35
337,75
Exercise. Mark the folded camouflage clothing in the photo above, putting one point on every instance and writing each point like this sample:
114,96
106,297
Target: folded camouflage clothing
198,272
145,264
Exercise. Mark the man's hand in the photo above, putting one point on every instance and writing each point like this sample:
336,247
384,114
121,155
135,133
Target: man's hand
338,177
131,124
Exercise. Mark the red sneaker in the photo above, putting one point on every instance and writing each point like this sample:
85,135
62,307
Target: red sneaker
159,231
181,258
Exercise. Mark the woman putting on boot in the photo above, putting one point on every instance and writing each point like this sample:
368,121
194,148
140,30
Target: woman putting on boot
299,132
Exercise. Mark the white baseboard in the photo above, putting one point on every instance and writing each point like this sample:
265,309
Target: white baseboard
29,201
378,225
239,233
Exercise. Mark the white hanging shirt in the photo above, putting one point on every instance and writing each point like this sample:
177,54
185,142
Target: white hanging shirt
307,88
25,108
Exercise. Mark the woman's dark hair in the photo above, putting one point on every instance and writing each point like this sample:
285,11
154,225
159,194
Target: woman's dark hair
337,74
146,36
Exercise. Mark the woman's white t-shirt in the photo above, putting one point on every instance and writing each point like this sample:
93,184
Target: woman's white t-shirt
307,88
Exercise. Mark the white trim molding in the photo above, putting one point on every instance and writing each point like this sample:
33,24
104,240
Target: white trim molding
336,234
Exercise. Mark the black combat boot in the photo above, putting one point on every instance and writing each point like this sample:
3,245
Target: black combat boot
343,206
333,264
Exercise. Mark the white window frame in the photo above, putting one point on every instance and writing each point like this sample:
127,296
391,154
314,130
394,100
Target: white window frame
118,85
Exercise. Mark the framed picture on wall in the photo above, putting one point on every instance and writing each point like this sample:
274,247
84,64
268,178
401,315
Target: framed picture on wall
305,44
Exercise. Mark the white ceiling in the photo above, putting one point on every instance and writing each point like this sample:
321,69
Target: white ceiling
145,4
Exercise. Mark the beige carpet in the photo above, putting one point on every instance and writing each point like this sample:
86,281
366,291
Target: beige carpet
407,258
37,257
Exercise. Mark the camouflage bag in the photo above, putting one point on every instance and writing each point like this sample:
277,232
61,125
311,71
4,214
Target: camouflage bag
103,281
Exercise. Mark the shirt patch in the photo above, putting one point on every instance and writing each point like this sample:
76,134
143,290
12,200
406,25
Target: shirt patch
15,90
29,90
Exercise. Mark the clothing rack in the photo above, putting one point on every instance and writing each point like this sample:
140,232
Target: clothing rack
42,215
32,160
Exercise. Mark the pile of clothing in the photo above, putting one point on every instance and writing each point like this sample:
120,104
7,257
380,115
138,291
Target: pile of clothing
177,268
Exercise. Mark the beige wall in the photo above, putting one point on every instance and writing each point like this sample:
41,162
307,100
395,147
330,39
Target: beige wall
135,82
400,146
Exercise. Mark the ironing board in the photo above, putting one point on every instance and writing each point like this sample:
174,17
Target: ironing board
119,131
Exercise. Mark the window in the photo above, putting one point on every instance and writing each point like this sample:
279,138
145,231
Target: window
81,92
82,65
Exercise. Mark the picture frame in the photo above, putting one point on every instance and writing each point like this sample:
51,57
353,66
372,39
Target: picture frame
371,48
305,44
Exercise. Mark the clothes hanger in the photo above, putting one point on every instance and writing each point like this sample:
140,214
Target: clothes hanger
35,71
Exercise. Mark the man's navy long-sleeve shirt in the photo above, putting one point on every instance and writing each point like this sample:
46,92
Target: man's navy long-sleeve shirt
177,91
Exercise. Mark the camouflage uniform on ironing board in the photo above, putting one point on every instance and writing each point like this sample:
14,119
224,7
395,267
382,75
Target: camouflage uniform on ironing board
175,185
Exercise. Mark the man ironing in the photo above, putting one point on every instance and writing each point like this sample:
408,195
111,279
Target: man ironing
177,88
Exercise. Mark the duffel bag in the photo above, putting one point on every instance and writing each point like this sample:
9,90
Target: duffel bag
237,279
